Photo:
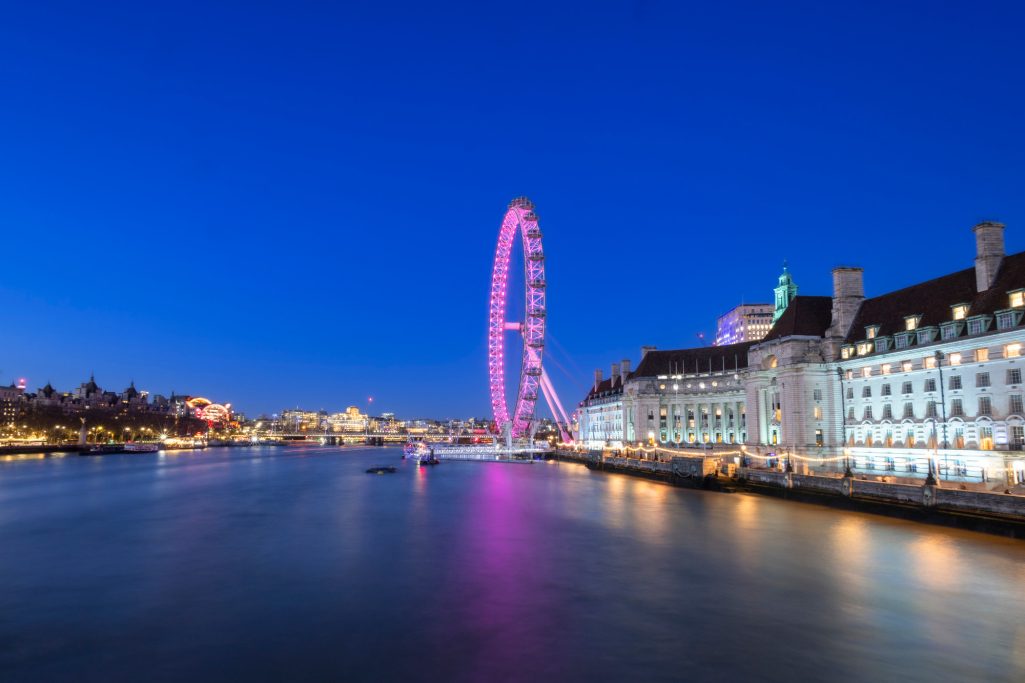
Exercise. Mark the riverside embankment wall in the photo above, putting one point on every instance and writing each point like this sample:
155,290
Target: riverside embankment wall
991,512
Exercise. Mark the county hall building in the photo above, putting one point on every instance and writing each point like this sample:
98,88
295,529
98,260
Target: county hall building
933,370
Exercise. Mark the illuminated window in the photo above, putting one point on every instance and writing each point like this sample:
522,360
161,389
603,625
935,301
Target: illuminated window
817,411
981,355
1012,350
1017,298
929,362
864,348
866,372
986,438
955,359
885,368
911,322
850,374
960,311
871,331
845,353
905,366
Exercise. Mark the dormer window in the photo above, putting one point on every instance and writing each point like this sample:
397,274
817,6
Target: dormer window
911,322
882,343
902,340
959,311
871,331
864,348
1009,318
977,324
926,334
846,352
1017,298
951,330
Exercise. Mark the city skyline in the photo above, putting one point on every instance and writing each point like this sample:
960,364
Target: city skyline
288,225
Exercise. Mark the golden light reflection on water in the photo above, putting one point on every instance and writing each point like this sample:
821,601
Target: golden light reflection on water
935,561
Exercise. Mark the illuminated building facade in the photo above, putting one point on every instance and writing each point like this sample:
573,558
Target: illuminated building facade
746,322
929,376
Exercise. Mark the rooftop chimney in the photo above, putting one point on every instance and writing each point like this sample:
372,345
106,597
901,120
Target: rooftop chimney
597,378
615,372
848,293
645,349
989,252
624,366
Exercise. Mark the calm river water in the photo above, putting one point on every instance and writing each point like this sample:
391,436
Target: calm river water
293,564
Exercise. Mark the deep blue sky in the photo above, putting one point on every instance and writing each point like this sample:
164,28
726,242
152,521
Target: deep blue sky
280,203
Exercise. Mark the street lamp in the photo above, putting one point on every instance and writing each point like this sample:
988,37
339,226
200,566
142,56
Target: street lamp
943,403
843,416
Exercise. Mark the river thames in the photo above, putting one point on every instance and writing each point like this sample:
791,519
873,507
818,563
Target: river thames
294,564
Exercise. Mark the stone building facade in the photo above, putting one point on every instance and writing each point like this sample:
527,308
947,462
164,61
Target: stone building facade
928,376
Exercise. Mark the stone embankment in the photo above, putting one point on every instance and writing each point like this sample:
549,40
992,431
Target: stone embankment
982,511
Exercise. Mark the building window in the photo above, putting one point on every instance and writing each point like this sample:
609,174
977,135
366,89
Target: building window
950,331
1012,350
818,437
871,331
955,381
982,379
905,388
929,363
959,311
957,407
1014,376
911,322
986,438
909,410
868,413
850,392
850,374
985,405
845,352
882,344
926,335
864,348
1016,405
955,358
866,391
901,340
850,414
906,366
978,324
930,385
1017,298
817,412
887,412
1008,319
886,390
866,372
981,355
885,368
816,394
930,409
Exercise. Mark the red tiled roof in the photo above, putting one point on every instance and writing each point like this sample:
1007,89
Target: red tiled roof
933,299
701,359
806,316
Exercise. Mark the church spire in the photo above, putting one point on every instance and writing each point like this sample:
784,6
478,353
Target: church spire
785,292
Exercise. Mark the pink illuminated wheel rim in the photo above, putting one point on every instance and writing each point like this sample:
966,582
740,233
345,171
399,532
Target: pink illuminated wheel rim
520,218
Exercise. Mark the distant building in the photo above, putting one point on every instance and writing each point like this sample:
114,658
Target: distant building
746,322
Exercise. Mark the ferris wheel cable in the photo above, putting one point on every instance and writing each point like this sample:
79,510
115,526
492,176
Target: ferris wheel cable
565,354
